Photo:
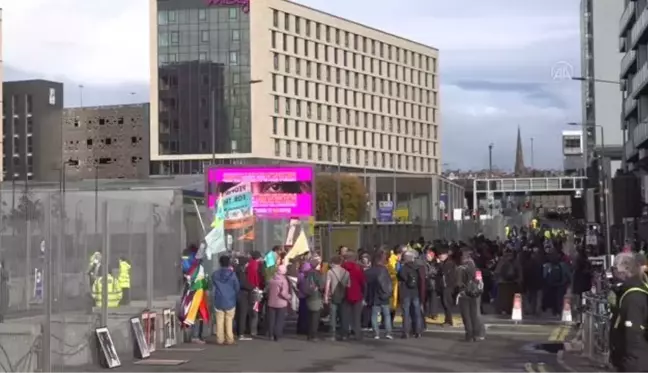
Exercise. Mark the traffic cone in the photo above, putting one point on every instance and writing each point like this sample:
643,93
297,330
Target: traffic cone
516,313
566,313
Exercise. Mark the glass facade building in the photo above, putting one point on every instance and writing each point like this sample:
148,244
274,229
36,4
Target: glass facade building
203,81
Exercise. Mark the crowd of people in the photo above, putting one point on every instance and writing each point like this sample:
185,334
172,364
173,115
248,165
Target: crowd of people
362,291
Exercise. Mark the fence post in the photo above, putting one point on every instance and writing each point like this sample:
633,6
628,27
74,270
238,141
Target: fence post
47,290
150,252
105,262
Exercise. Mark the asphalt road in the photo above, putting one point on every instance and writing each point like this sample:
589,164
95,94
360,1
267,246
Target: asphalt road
508,348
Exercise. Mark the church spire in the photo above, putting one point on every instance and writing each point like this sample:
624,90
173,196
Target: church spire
519,169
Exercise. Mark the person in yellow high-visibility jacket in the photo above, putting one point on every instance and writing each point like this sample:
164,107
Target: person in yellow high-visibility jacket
124,280
392,267
114,292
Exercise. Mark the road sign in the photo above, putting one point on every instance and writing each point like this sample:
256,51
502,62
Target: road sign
385,211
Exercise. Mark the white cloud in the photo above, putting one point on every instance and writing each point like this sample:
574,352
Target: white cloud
66,37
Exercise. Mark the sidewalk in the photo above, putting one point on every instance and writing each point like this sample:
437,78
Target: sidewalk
574,361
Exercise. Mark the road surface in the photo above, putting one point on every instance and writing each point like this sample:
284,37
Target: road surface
508,348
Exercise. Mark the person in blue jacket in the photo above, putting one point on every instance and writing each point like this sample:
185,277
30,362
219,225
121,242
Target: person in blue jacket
225,286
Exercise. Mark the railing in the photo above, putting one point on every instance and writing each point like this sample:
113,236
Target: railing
624,21
629,106
639,80
596,328
628,59
639,28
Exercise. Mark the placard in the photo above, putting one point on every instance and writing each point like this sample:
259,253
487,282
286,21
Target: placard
174,327
109,357
142,346
150,333
166,327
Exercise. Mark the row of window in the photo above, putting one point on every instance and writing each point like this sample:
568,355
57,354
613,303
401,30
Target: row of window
315,91
171,17
337,56
356,80
354,137
352,117
166,39
296,25
367,158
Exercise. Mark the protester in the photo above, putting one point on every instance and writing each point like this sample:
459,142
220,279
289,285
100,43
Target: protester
353,301
302,311
409,279
279,297
556,280
469,290
508,276
226,286
244,300
379,291
313,288
337,283
431,273
445,285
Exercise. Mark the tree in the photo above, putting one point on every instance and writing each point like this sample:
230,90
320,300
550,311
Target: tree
353,199
28,208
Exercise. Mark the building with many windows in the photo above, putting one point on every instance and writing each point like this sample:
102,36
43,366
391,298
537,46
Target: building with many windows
106,142
32,130
2,173
572,148
274,81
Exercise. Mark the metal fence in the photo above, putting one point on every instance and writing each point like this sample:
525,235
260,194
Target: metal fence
596,328
47,241
330,235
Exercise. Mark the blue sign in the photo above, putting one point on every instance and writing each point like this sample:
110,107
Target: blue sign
443,201
385,211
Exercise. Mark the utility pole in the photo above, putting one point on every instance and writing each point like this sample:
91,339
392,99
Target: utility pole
490,160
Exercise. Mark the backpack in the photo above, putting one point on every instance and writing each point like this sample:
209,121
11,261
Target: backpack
555,275
339,293
412,279
508,272
308,286
474,288
384,289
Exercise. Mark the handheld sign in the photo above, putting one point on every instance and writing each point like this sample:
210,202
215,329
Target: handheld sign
478,276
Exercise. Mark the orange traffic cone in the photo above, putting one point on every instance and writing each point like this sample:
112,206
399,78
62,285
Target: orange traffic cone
516,313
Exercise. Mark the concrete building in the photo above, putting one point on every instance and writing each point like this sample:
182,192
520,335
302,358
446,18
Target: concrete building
32,130
572,148
2,172
634,72
601,98
107,142
276,81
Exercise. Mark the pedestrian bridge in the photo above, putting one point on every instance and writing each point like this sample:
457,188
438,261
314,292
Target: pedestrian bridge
527,185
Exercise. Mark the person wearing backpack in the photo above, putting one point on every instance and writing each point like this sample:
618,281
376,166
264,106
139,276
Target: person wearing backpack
312,289
556,279
337,282
469,290
379,292
431,273
508,279
628,339
409,278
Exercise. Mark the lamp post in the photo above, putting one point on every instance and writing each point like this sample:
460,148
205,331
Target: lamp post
490,160
339,174
604,186
212,112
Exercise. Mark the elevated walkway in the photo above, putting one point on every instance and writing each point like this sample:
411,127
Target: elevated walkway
527,185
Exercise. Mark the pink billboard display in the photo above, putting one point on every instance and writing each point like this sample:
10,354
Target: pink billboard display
277,192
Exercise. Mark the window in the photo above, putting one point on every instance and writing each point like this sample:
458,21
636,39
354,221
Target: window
276,105
287,22
287,64
287,106
234,58
297,25
202,56
275,18
274,82
274,40
236,35
297,66
318,31
299,150
163,18
233,13
307,27
274,126
175,37
277,148
276,61
204,36
202,15
288,148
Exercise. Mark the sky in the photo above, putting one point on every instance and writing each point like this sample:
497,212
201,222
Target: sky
503,64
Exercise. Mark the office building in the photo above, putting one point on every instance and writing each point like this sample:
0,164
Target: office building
601,98
2,172
32,130
634,72
106,142
572,149
275,81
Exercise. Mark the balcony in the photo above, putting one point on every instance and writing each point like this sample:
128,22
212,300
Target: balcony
629,106
627,17
640,134
623,45
630,149
628,63
638,32
639,81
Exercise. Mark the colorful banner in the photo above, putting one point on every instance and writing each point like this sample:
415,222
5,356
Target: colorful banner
237,206
277,192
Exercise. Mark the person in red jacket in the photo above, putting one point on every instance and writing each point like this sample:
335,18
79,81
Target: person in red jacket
353,303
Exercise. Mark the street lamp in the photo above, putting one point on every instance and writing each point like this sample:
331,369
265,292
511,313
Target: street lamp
604,192
212,109
339,174
623,137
